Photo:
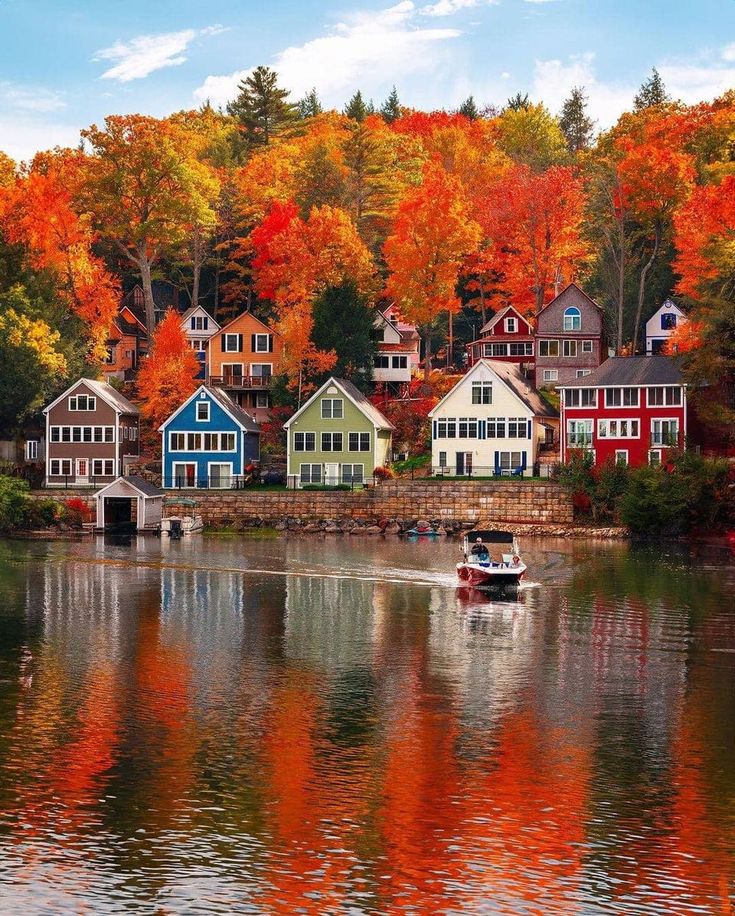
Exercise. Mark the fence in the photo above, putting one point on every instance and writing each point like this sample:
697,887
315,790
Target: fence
250,482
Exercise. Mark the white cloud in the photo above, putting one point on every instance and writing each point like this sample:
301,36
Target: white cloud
22,138
448,7
30,98
553,80
694,83
145,54
368,48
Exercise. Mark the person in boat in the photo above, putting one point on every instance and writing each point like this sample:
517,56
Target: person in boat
480,552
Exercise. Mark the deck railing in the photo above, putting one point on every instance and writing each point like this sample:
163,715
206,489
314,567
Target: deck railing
241,381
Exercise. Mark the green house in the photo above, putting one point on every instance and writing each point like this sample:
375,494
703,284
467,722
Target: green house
337,437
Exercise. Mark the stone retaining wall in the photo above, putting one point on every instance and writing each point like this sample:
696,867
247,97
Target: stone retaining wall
491,503
487,503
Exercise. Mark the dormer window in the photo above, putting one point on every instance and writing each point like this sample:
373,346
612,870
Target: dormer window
572,319
511,325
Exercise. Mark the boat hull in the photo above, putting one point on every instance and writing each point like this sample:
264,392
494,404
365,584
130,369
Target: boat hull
490,576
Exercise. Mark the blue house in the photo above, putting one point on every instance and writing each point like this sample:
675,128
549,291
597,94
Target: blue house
208,442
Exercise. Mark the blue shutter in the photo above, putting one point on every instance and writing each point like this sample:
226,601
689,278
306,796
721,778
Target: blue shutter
523,460
192,322
433,430
481,429
497,462
530,429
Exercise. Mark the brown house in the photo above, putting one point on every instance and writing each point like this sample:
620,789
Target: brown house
126,344
243,357
570,338
92,435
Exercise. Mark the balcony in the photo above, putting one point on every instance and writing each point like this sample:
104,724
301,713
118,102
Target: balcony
241,382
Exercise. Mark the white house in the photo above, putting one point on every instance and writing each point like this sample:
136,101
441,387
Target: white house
199,327
492,422
661,325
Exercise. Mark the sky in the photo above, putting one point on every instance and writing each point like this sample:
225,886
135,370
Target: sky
65,64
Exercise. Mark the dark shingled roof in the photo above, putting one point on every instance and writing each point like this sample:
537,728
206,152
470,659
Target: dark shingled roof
367,406
145,486
226,403
632,370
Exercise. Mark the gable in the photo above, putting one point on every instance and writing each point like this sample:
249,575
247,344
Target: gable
550,319
186,416
198,312
247,323
60,411
458,401
127,314
496,325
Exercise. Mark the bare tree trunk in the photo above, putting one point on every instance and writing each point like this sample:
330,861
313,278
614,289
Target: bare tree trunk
427,353
621,286
482,305
144,265
642,288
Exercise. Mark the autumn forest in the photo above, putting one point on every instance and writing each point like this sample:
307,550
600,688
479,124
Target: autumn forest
310,218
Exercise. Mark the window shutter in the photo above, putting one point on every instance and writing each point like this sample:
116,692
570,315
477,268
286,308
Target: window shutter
530,429
252,343
433,434
481,429
497,462
205,324
193,323
222,343
523,460
239,343
270,343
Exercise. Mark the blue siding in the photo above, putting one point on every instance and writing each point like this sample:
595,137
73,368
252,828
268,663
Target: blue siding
247,447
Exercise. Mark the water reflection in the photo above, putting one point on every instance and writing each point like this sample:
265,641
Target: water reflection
324,725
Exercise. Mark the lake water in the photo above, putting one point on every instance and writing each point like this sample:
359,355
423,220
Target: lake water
326,726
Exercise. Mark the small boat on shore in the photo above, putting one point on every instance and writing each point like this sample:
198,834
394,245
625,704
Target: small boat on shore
478,567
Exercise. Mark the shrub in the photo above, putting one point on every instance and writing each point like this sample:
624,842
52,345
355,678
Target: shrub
15,504
74,512
596,490
382,473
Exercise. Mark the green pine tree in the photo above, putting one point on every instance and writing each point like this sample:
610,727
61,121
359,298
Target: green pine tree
652,92
262,107
356,107
574,121
310,106
391,109
468,108
517,102
343,322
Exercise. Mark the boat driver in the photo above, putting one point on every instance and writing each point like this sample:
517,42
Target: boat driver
480,551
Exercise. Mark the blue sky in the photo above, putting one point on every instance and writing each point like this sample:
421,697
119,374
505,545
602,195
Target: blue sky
67,63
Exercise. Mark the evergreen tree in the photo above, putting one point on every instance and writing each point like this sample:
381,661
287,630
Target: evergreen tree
652,92
391,109
262,107
518,102
344,322
356,107
468,108
575,122
310,106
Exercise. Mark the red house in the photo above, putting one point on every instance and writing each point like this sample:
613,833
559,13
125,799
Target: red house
508,336
631,409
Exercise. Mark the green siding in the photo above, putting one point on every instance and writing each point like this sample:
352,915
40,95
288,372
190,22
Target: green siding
353,421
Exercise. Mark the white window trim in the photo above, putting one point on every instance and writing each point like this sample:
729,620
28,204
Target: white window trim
569,355
305,433
362,432
655,451
610,438
511,325
588,346
253,365
202,403
331,401
91,398
310,465
331,435
663,388
676,420
227,349
210,465
202,433
550,375
257,349
183,464
550,340
352,465
622,451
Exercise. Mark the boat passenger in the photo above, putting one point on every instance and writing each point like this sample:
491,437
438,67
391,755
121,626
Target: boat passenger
480,551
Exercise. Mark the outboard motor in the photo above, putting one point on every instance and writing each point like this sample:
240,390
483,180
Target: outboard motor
175,531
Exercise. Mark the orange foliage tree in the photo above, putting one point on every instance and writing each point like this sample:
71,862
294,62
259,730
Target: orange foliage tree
37,210
532,234
168,376
432,235
294,260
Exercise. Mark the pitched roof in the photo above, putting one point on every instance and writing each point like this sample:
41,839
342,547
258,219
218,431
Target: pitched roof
225,402
144,486
197,308
235,411
249,314
108,394
357,398
501,314
511,375
566,290
632,370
